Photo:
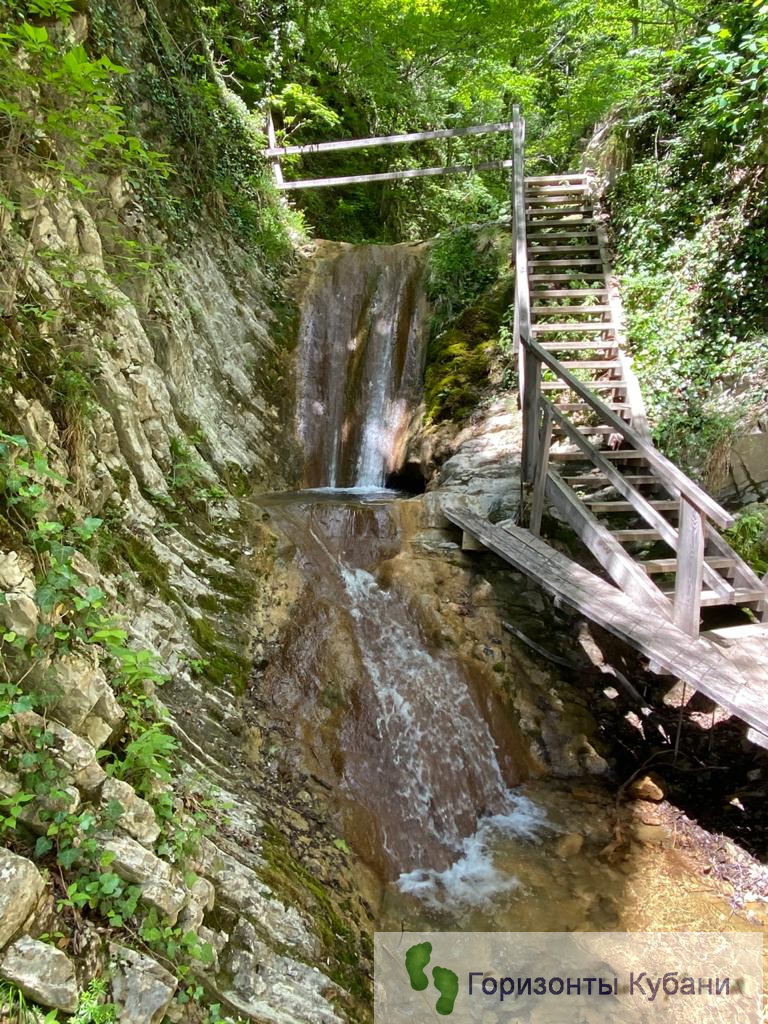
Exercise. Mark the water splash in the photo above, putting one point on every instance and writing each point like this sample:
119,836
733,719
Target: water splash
473,878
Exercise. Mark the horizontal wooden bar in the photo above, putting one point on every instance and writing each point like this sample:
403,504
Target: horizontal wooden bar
388,140
415,172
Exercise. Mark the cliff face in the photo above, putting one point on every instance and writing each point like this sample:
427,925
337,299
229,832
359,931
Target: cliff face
142,399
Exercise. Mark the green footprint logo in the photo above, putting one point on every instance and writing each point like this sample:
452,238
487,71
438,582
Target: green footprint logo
445,981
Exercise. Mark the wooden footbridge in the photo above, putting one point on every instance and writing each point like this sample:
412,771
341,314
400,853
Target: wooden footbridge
587,450
588,453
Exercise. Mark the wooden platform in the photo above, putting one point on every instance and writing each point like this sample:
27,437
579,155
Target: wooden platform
728,675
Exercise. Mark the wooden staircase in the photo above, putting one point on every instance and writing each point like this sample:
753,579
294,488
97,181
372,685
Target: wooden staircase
587,448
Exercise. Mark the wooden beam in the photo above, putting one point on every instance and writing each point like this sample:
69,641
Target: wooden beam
415,172
386,140
697,661
673,478
620,566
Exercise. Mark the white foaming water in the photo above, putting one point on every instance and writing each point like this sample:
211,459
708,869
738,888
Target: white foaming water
441,796
472,879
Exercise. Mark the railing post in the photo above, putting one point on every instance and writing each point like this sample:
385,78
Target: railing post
277,169
542,466
690,567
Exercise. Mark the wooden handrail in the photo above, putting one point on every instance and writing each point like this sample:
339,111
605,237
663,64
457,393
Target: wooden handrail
386,140
673,478
528,367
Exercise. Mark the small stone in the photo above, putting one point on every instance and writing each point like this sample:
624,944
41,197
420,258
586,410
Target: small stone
19,614
42,972
646,789
569,845
138,818
141,988
21,888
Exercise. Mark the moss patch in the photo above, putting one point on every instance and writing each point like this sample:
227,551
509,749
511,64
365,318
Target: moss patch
459,359
347,948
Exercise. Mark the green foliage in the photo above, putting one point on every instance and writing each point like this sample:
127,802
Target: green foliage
467,287
15,1009
749,537
692,222
148,758
92,1008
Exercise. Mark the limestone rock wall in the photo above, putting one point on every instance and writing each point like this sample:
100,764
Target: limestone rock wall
192,374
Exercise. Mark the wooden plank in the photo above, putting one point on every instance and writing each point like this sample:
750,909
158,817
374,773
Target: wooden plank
582,276
698,662
560,328
594,385
544,261
620,566
588,344
576,247
711,599
542,463
558,310
664,565
602,479
627,455
386,140
565,293
674,479
629,506
636,536
537,189
554,178
415,172
580,230
592,364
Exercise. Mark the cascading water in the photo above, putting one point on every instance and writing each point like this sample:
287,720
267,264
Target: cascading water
361,358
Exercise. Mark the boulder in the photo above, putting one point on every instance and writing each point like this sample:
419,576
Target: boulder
141,989
85,702
42,972
73,753
19,614
21,889
138,818
160,887
38,814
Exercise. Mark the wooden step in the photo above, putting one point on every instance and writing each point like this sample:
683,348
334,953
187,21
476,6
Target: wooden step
585,275
578,406
577,176
709,599
576,247
561,328
637,480
569,310
579,228
545,179
577,261
622,455
591,364
588,344
557,202
565,293
571,190
630,536
664,565
599,428
593,385
666,505
557,214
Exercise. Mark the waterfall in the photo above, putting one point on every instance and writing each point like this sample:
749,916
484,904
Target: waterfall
362,346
